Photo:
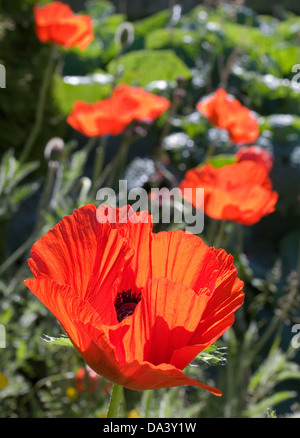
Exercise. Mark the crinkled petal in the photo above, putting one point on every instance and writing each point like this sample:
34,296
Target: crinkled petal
66,254
135,375
183,258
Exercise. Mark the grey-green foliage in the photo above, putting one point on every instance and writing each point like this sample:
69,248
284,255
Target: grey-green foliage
263,385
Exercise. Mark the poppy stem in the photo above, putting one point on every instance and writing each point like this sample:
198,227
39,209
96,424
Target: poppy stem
115,399
210,151
120,161
220,234
39,116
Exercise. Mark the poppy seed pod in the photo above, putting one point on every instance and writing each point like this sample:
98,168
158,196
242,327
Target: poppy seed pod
125,34
54,149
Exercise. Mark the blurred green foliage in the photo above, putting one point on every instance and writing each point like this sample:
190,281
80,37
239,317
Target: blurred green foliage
24,59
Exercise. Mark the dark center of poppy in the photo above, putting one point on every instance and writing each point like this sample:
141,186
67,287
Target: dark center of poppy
126,303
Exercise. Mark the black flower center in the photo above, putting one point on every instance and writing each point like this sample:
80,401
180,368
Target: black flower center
126,303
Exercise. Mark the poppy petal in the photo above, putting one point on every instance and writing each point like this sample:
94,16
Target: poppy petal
56,23
113,256
163,321
239,192
135,375
183,258
61,300
222,110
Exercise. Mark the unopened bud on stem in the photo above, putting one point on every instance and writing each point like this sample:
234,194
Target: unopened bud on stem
125,34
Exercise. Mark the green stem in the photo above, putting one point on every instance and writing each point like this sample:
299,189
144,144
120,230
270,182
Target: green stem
115,400
240,238
17,254
119,163
210,151
90,145
220,234
40,110
46,197
148,395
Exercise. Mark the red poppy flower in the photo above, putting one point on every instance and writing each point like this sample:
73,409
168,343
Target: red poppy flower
113,115
56,23
138,306
108,117
228,113
255,153
239,192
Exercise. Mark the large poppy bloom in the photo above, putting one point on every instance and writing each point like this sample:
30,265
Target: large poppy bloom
239,192
227,113
138,306
112,115
56,23
255,153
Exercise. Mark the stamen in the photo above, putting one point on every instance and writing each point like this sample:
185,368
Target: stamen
126,303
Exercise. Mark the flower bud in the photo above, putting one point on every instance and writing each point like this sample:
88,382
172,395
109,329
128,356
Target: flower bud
125,34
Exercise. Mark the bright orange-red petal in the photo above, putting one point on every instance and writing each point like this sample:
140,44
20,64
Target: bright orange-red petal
183,258
112,259
66,254
107,117
127,343
239,192
218,314
151,106
164,321
181,308
112,115
224,111
63,303
136,228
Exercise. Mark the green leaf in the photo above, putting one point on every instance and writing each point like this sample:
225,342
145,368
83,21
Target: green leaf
221,160
213,355
186,44
21,173
156,21
21,193
90,88
144,66
7,169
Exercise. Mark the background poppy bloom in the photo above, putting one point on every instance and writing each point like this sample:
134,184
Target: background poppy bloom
138,306
56,23
257,154
151,106
228,113
112,115
239,192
